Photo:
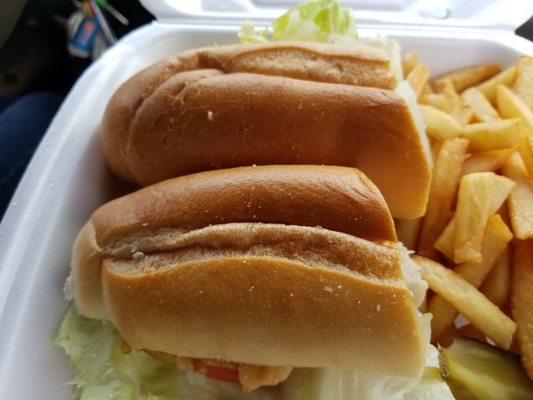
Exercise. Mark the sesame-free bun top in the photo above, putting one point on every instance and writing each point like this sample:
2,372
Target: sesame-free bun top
273,274
274,103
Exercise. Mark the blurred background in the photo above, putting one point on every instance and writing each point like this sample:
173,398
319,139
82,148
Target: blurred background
45,45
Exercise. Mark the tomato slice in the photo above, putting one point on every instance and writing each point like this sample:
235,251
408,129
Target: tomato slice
222,373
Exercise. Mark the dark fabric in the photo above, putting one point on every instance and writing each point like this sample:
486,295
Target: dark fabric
22,124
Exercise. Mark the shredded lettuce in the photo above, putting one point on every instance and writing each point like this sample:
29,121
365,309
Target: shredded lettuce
431,386
336,384
315,21
103,371
248,34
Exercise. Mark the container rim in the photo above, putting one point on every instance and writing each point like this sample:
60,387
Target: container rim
490,15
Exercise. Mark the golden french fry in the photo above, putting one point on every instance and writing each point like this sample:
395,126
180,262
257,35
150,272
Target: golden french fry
497,284
469,301
410,61
466,77
525,148
437,100
444,183
487,136
480,106
439,125
524,81
470,331
417,78
504,212
446,88
495,241
447,338
521,198
480,196
522,301
511,106
459,111
407,231
463,115
444,242
485,205
486,162
505,78
444,315
427,89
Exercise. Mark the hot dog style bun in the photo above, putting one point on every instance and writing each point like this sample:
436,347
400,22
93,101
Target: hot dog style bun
272,103
275,266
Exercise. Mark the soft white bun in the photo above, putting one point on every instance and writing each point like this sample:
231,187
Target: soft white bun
248,290
275,103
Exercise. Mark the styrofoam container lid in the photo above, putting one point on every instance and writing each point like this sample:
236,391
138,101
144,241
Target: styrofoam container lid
478,14
67,178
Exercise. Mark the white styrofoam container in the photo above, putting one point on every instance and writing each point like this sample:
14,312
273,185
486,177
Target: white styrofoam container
67,177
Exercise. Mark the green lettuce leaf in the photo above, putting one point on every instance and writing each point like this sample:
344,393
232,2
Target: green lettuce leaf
103,371
332,383
314,21
248,34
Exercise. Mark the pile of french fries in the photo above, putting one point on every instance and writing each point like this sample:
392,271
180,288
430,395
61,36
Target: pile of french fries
474,245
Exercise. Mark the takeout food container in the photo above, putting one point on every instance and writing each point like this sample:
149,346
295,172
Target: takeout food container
67,177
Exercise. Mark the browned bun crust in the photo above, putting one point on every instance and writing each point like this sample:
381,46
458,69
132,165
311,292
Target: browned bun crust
336,198
165,122
266,294
123,106
353,64
86,274
277,298
249,282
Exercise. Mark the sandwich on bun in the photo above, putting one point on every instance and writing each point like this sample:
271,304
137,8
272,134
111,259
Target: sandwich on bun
272,103
252,275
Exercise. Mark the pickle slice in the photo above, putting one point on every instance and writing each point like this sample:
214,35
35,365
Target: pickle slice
478,371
